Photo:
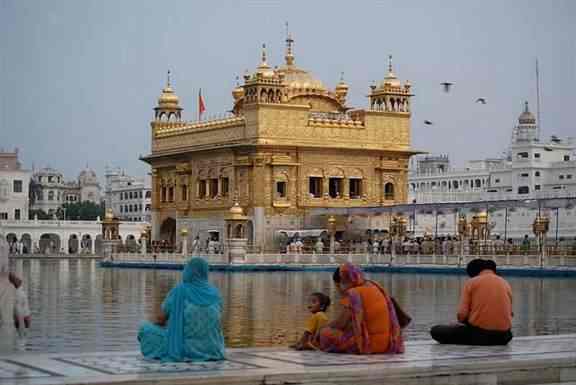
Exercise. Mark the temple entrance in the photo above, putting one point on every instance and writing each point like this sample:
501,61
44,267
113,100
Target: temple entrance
168,231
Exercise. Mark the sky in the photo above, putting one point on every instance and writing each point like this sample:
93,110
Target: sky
79,79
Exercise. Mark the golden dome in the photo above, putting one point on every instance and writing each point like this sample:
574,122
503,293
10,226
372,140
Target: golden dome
236,212
236,209
297,78
168,98
238,92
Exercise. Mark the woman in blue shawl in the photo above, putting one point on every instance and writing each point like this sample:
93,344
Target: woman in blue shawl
191,313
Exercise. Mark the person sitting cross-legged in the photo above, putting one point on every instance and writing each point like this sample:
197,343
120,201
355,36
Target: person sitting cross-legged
485,311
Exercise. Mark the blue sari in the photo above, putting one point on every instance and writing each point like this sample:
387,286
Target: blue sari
194,332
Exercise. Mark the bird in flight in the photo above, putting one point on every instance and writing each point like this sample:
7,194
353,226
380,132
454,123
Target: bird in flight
428,122
446,86
481,100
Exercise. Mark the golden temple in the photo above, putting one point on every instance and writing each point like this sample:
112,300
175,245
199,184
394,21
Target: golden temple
290,145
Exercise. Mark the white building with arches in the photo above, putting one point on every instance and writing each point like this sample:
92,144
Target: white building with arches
65,237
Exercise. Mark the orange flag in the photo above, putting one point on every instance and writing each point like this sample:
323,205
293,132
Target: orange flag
201,106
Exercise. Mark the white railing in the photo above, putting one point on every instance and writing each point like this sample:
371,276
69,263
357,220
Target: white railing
560,260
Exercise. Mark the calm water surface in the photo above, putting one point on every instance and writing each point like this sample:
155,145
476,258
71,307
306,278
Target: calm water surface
78,306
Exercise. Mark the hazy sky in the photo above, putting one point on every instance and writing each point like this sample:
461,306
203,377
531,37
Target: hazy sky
79,79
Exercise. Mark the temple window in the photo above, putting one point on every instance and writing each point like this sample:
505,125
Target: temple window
201,188
523,190
170,194
335,187
163,194
225,186
184,192
389,191
281,189
315,186
51,195
356,188
213,187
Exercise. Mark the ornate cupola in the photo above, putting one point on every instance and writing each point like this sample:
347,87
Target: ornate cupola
168,108
341,90
390,95
265,85
527,130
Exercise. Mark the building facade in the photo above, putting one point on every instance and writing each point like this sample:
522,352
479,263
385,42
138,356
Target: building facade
291,145
130,198
14,184
532,170
49,191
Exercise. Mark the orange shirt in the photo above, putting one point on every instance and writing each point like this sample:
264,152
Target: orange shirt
486,302
376,317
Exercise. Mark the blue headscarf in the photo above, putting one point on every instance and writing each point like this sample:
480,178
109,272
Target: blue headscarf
194,289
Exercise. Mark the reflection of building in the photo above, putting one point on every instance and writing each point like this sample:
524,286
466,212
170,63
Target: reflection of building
128,197
290,145
14,182
49,191
531,170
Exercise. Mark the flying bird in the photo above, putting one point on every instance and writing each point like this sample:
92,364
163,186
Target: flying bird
481,100
446,86
428,122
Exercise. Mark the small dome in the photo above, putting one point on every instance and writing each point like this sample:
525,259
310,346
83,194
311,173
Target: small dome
168,98
236,209
238,92
109,214
526,117
87,176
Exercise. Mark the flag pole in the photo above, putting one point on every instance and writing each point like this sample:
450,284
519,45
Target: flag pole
538,101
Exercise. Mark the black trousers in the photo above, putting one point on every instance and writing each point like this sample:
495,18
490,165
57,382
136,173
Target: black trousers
464,334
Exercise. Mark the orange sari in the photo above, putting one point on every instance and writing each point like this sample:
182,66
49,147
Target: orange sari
374,327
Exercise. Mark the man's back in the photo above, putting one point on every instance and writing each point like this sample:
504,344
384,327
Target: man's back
487,302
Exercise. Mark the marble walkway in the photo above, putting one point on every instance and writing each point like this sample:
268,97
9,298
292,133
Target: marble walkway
527,360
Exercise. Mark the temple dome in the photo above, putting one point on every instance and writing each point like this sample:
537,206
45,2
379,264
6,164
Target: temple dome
87,176
168,98
526,117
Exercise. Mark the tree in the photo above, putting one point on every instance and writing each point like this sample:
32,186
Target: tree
84,211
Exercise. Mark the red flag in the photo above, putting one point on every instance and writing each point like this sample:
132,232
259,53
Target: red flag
201,106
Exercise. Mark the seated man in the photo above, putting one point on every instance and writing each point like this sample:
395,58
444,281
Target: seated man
485,312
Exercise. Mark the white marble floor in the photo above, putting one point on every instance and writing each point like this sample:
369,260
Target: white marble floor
251,364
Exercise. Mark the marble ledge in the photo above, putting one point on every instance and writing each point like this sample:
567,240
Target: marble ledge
527,360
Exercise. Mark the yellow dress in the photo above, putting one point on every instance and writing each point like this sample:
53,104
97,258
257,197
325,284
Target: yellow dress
316,322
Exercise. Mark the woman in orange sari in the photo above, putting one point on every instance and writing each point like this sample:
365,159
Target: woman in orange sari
367,323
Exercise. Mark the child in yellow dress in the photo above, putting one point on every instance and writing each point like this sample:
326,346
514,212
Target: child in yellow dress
318,303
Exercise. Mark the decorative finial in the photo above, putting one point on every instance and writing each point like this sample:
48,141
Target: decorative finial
168,79
237,81
526,106
342,77
289,43
389,63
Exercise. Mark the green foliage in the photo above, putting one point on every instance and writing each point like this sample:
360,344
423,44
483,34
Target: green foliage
84,211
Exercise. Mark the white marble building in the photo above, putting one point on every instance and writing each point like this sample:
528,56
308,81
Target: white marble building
532,170
64,237
128,197
14,183
49,191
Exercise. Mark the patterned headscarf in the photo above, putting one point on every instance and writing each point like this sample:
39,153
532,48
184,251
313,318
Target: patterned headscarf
351,275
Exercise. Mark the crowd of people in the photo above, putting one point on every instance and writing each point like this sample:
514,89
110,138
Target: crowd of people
428,245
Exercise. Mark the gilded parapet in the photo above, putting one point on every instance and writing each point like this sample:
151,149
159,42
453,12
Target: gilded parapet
164,129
